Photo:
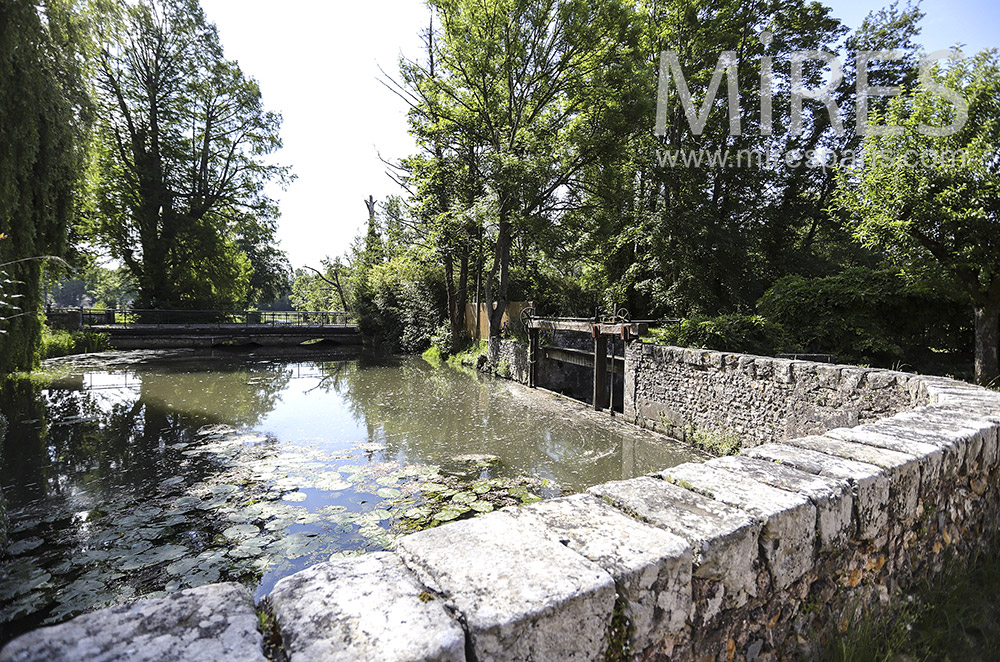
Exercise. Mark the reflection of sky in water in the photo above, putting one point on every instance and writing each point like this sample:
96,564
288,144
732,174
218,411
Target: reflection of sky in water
308,413
113,469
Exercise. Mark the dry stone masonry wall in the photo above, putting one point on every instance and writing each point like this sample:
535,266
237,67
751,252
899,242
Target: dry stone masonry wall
759,399
737,558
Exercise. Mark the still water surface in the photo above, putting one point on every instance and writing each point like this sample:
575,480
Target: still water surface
127,475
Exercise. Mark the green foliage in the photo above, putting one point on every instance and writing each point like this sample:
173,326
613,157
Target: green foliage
514,100
94,286
929,202
620,632
59,342
434,356
45,111
504,369
686,241
716,443
471,356
443,340
868,316
399,302
324,290
180,163
751,334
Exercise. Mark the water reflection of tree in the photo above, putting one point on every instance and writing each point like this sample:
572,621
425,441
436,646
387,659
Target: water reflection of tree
123,443
429,415
23,458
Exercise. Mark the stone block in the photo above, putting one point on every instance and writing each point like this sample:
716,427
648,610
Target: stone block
879,379
929,455
651,567
976,435
950,392
902,469
788,535
764,367
828,376
723,539
367,608
213,622
523,596
695,357
832,497
783,371
870,484
803,372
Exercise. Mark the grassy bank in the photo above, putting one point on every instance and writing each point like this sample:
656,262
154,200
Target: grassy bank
58,342
954,616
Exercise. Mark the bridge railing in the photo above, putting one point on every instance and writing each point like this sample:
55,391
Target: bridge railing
134,316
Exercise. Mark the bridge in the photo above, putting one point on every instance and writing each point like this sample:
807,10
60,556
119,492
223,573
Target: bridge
167,329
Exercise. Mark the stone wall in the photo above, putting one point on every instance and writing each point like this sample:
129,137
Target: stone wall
737,558
509,359
759,399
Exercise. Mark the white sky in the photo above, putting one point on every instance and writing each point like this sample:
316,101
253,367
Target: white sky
317,63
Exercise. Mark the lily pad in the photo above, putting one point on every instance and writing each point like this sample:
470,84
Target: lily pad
241,531
448,514
464,498
25,545
481,506
419,513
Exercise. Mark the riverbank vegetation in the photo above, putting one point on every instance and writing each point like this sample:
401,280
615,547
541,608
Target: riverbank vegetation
59,342
952,615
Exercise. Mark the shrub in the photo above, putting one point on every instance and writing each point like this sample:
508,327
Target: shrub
58,342
443,340
751,334
867,316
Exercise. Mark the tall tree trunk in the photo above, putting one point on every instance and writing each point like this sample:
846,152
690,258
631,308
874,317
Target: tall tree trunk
462,295
501,263
449,289
987,336
340,290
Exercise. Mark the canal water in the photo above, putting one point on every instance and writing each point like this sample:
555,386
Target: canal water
136,474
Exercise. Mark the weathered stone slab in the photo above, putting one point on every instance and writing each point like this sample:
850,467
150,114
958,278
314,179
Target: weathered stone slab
523,595
930,455
871,496
953,445
903,469
976,435
723,539
214,622
832,497
967,396
788,535
367,608
651,567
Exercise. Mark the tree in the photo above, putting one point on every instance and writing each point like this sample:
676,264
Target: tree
181,160
930,202
44,125
673,239
516,99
